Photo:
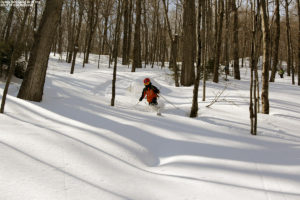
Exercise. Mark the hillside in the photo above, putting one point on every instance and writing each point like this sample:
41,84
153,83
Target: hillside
74,145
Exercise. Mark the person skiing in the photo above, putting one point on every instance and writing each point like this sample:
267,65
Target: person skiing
150,91
281,72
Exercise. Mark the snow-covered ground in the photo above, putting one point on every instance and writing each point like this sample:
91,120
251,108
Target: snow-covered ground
74,145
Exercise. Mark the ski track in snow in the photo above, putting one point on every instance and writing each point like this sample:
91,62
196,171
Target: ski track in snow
74,145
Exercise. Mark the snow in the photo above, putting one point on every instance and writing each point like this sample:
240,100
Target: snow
74,145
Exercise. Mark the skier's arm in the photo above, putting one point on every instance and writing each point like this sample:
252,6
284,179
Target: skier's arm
143,95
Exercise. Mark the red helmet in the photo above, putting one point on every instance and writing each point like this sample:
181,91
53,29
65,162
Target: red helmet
147,81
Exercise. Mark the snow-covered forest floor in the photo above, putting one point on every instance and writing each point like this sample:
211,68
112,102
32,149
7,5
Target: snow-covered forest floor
74,145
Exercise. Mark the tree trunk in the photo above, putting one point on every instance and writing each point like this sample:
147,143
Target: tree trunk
277,38
137,63
298,5
288,35
266,54
60,37
174,46
16,53
104,47
205,14
6,30
218,41
33,84
253,63
76,43
146,54
125,33
35,18
194,109
236,66
188,46
130,30
69,29
115,53
226,39
92,27
71,51
292,65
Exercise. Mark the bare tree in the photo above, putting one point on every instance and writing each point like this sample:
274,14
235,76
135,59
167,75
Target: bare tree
125,59
205,20
277,37
188,46
146,31
194,109
298,5
106,9
137,62
226,37
288,35
33,84
76,42
253,64
92,23
71,42
16,53
115,52
7,27
174,46
235,41
219,29
266,54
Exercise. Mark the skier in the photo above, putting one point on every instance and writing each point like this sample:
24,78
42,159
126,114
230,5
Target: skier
281,72
151,92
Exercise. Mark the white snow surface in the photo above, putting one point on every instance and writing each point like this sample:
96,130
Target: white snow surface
74,145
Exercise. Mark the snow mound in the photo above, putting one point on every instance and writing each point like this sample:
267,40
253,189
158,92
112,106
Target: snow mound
135,88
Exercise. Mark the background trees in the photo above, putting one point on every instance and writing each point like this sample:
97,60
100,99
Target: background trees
154,32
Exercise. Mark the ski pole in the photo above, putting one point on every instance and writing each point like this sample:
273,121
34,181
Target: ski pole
170,103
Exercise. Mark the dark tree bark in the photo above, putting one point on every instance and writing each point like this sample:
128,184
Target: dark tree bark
94,7
115,53
35,17
6,30
125,33
71,51
298,5
16,53
69,29
266,54
218,41
236,66
226,38
194,109
188,46
104,47
33,84
253,64
130,30
174,46
137,63
146,54
205,21
76,43
288,35
60,37
277,38
155,37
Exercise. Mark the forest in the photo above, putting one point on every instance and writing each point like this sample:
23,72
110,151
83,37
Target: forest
149,99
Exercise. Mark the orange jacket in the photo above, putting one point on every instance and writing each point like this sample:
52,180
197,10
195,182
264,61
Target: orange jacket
151,93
